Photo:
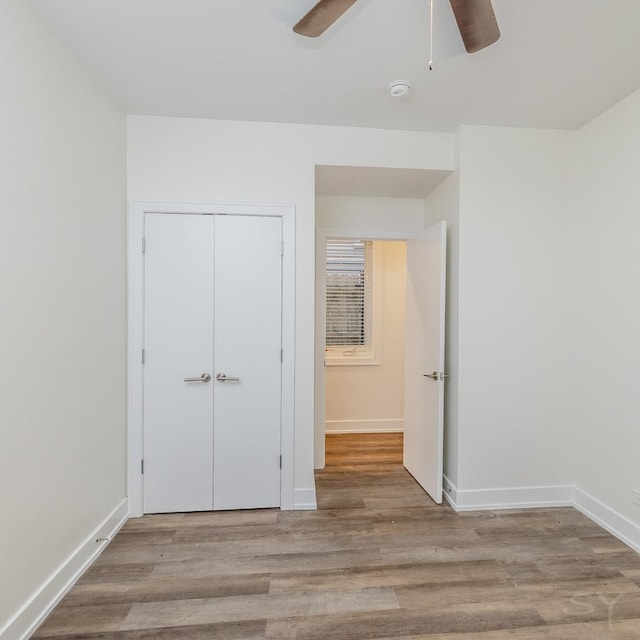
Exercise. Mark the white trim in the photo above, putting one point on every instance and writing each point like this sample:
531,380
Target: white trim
136,341
135,288
510,497
614,522
553,496
33,613
450,492
382,425
305,499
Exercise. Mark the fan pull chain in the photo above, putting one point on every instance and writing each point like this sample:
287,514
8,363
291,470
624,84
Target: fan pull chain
431,37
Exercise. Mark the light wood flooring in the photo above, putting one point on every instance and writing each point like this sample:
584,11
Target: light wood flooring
378,560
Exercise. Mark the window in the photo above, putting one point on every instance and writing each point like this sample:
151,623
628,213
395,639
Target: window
351,317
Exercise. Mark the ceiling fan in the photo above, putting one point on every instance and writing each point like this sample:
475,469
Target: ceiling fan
476,21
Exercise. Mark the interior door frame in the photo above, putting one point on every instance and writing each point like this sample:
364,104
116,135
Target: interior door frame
135,313
322,233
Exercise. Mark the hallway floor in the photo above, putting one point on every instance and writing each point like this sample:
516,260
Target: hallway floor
378,560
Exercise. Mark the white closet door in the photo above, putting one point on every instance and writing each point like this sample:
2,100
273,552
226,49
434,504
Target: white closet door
178,415
248,340
212,306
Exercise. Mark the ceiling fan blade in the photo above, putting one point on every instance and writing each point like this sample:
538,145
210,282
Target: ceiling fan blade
477,23
321,17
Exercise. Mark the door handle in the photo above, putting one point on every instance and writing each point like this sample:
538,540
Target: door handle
205,377
223,377
436,376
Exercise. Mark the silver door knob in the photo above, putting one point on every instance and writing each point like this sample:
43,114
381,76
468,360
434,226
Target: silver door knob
223,377
433,376
205,377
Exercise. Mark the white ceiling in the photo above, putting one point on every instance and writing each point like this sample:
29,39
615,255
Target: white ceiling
558,64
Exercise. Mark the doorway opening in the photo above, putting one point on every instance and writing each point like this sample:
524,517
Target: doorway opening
423,385
384,204
365,350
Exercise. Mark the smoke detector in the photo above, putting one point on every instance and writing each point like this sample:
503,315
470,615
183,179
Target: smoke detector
399,88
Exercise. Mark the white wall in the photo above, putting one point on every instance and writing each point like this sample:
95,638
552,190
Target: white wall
371,397
359,212
514,308
63,322
443,204
606,290
174,159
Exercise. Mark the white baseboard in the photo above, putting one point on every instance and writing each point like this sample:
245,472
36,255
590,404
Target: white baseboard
387,425
450,492
23,624
552,496
614,522
304,499
511,497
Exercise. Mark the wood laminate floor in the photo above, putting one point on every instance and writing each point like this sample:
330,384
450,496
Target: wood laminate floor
377,560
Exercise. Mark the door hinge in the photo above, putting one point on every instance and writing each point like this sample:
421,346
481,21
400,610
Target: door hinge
281,462
144,245
282,248
143,356
281,355
142,467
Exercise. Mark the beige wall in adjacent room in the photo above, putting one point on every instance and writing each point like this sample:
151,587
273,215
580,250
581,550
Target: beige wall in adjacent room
371,397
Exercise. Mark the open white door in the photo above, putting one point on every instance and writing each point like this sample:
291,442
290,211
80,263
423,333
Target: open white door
424,358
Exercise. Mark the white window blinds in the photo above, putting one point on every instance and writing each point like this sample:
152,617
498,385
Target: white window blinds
349,293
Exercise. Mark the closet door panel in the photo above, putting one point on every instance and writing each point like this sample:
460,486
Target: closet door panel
248,340
178,328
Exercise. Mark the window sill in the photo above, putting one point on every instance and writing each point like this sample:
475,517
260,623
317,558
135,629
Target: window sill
339,359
